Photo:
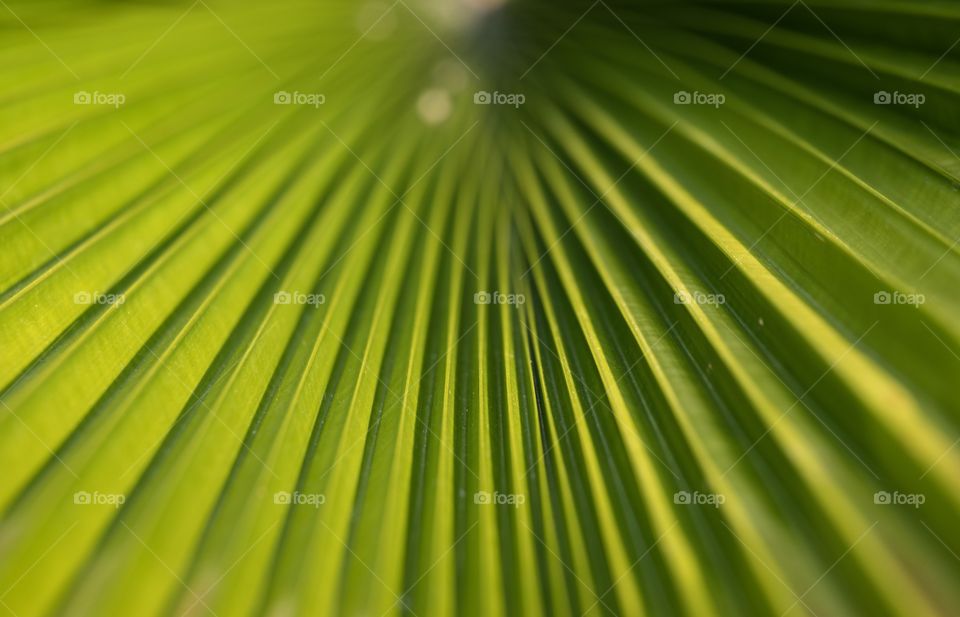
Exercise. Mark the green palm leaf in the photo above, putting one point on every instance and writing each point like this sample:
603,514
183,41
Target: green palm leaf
609,308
